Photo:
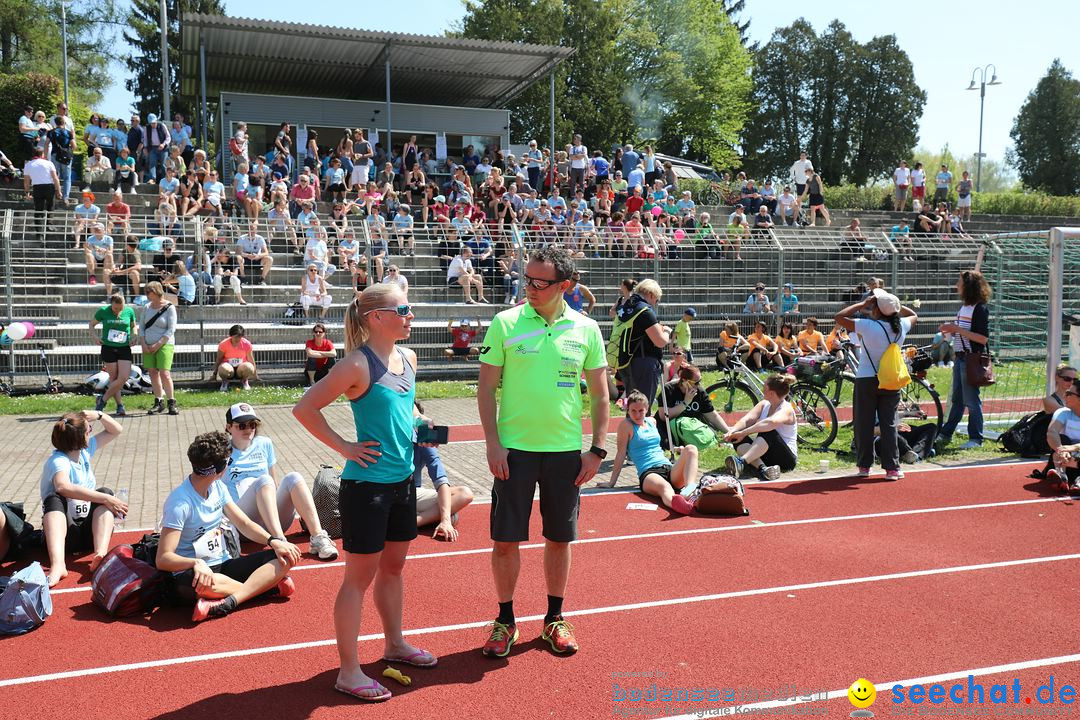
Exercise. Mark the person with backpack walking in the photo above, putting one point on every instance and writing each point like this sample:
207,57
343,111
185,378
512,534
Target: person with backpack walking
881,327
642,341
60,147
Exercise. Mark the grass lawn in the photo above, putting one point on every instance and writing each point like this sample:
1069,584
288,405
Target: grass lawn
258,395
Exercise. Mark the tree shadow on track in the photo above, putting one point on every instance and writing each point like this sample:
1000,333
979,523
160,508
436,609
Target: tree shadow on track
820,486
303,698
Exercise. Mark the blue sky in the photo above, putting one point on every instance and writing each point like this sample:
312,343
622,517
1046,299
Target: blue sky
945,41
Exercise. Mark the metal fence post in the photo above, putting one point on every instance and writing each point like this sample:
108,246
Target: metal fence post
1055,304
779,273
7,237
200,262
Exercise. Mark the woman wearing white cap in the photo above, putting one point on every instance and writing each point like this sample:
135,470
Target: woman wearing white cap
888,323
253,485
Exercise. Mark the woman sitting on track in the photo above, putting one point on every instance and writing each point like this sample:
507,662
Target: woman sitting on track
253,486
78,515
774,450
378,498
192,545
638,438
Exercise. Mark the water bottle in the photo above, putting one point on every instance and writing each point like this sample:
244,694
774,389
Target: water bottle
122,496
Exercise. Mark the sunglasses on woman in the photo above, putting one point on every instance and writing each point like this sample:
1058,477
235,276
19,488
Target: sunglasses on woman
400,310
248,424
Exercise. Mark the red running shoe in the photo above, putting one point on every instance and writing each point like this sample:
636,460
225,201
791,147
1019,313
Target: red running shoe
500,641
1057,481
286,587
560,635
204,609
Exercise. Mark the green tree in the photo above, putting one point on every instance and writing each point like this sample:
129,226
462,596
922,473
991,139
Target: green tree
30,41
1046,134
143,35
853,107
665,71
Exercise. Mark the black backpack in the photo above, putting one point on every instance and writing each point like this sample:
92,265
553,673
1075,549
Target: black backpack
60,137
293,314
1028,436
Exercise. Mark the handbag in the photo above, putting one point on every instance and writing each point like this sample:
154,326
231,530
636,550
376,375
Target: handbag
979,369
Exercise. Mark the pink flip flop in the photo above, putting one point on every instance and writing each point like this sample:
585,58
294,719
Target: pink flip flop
358,692
420,659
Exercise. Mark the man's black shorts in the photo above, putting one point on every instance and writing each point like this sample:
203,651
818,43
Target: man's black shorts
511,500
373,514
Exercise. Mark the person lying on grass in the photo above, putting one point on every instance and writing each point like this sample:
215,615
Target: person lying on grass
638,438
192,545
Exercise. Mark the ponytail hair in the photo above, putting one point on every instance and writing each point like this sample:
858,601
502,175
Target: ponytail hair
635,396
357,319
780,384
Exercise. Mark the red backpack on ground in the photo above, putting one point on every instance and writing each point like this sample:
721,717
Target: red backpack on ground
124,585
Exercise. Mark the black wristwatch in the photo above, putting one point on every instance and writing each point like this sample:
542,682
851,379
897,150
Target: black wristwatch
598,452
271,539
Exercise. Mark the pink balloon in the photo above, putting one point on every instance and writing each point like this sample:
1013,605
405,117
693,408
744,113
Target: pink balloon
30,329
679,235
657,211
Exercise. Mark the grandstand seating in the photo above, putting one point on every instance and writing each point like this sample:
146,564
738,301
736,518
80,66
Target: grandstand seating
49,286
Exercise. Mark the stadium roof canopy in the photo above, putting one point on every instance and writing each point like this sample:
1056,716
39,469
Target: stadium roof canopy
278,58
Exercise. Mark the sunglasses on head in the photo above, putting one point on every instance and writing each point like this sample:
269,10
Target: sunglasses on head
400,310
678,352
215,469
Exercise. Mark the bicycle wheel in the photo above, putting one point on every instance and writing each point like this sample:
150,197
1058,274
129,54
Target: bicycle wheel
918,402
710,196
816,415
732,399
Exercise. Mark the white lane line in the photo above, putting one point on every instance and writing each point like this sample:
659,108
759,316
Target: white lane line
1013,667
694,531
532,618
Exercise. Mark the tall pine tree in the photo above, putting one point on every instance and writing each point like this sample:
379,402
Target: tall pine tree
144,60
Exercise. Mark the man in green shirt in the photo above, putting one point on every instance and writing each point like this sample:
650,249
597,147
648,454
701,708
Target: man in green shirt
682,332
119,330
538,352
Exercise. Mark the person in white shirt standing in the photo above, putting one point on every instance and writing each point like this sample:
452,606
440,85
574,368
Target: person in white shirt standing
901,182
798,173
41,183
251,249
918,186
579,160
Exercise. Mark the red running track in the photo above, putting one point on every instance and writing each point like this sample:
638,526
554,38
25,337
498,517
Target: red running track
822,637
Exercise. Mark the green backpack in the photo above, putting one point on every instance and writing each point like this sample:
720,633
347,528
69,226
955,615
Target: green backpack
618,345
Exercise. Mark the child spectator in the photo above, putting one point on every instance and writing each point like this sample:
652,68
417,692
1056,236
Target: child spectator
403,230
683,334
463,334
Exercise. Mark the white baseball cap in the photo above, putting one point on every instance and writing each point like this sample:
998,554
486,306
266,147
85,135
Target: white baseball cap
240,412
888,304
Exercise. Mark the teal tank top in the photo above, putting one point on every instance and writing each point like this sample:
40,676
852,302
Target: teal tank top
644,447
385,414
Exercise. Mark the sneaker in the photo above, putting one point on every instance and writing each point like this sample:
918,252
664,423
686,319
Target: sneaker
93,280
734,465
681,505
172,408
1056,480
323,546
560,635
157,407
862,472
910,457
247,385
285,587
500,641
894,474
224,386
120,411
971,444
99,403
206,609
770,472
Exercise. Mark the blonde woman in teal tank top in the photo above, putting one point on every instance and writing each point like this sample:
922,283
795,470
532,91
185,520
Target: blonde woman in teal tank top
378,498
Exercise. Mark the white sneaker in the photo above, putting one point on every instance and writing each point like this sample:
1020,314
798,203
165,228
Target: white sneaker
224,386
771,472
323,546
247,385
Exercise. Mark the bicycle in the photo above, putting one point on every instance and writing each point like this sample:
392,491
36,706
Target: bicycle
742,389
919,395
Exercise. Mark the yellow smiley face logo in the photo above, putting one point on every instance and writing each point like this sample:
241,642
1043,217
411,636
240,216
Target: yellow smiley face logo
862,693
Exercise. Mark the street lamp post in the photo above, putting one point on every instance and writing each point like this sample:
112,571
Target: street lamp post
63,48
981,72
165,64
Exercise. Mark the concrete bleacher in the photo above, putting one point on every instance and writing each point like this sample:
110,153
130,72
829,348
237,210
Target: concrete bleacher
49,286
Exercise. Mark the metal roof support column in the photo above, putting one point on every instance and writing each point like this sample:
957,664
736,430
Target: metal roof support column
388,147
202,88
551,165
